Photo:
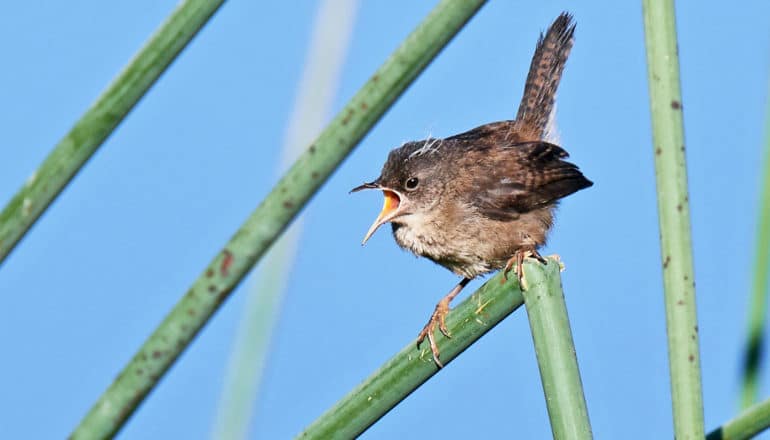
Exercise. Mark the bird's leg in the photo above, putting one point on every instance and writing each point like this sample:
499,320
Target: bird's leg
518,260
439,316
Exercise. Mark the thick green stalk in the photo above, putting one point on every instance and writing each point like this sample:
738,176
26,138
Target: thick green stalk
93,128
328,45
749,423
758,304
555,351
411,367
272,216
674,218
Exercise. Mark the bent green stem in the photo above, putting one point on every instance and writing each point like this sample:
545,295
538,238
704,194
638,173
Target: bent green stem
411,367
555,351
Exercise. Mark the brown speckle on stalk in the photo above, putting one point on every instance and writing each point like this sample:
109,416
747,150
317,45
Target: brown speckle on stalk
227,261
347,117
676,105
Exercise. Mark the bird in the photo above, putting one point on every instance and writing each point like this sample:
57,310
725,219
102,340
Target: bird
484,200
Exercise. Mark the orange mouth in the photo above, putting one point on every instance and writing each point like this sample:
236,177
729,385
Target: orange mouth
389,211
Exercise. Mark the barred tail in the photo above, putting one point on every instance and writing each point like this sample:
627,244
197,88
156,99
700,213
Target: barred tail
537,104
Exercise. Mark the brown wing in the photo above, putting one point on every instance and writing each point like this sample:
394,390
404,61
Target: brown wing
523,177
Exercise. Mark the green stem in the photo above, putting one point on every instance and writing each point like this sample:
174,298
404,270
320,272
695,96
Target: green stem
555,351
749,423
758,302
272,216
411,367
674,218
93,128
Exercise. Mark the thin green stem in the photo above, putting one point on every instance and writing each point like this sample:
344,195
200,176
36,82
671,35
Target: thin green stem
749,423
758,303
271,217
555,351
93,128
674,218
411,367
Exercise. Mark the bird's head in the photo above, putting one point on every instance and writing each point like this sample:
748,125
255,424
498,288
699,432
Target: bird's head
411,181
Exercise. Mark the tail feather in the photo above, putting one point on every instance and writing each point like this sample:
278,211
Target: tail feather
537,104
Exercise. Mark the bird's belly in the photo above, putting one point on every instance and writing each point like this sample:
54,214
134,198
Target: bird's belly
463,257
477,248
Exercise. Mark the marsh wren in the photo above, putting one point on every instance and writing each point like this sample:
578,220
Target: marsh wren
483,200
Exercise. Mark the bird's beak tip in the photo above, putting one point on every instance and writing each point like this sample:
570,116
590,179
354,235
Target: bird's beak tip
367,185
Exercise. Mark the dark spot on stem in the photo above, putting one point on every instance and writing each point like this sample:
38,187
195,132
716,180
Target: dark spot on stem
658,151
191,312
157,354
679,207
691,358
666,261
680,303
676,105
347,117
212,288
311,149
209,273
288,204
314,175
227,261
364,106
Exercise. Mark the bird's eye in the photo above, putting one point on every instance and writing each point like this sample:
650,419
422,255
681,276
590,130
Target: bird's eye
411,183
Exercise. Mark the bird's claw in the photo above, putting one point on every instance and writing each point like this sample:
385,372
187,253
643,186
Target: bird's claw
518,260
438,317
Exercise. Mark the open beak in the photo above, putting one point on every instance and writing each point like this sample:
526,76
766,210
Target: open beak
390,209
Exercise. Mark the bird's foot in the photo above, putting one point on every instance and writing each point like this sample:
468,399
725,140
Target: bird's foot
518,260
437,318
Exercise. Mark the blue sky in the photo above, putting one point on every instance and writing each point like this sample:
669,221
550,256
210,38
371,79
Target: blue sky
124,241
